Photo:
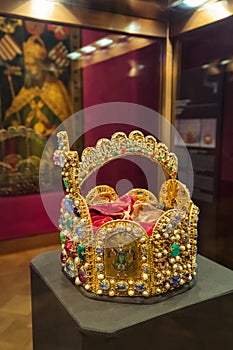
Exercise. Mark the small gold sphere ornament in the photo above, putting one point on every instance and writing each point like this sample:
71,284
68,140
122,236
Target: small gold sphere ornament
87,286
130,292
77,281
99,291
145,293
111,293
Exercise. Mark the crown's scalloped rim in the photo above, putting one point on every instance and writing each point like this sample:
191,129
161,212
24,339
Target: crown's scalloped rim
106,150
119,146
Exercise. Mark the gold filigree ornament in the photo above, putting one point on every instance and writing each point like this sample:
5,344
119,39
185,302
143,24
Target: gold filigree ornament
143,249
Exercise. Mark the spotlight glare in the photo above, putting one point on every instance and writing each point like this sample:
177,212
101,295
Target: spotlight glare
104,42
74,55
88,49
194,3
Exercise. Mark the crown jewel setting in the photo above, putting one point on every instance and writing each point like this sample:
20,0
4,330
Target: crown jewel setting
131,246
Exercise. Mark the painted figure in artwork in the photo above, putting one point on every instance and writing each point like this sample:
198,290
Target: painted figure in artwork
43,102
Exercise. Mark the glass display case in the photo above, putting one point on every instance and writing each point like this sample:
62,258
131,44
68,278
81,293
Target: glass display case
59,59
184,73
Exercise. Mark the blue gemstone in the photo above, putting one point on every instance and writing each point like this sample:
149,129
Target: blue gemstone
121,287
61,220
61,160
69,268
140,287
68,204
60,144
177,217
79,231
175,280
100,267
104,285
99,250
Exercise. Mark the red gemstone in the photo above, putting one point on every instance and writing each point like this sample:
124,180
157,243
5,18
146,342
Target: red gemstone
69,247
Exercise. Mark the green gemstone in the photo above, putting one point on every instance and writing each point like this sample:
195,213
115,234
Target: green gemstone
170,167
81,251
159,158
62,238
175,250
115,153
66,183
69,223
98,162
132,149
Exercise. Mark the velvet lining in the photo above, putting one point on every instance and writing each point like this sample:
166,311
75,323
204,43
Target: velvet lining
127,208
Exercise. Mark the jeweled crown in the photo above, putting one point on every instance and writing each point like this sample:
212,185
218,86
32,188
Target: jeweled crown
130,246
35,47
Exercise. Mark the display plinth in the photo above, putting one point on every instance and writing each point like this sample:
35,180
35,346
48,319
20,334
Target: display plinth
64,319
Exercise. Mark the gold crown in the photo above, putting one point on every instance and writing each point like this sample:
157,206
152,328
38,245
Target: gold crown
19,170
35,47
132,246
